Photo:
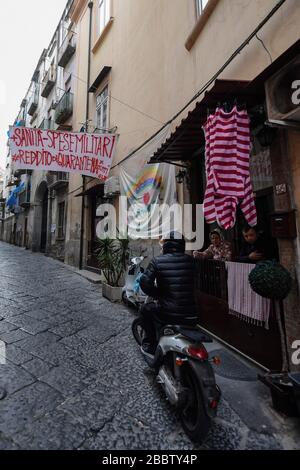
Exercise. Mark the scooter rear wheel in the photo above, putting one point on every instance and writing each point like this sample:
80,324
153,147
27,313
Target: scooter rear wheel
138,330
195,421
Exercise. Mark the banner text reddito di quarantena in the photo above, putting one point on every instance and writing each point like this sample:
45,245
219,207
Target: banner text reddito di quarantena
89,154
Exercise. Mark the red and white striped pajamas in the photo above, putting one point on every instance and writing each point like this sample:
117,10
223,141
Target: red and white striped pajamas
227,168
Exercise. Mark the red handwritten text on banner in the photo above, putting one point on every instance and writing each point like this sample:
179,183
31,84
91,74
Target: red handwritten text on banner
87,154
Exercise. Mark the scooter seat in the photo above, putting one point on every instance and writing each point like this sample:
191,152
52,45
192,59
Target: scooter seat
193,333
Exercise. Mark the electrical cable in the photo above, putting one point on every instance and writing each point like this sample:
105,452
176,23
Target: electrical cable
111,96
265,47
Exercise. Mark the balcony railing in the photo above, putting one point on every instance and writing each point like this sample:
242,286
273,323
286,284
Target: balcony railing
12,182
211,278
48,82
33,102
64,109
46,124
67,49
18,173
57,180
24,199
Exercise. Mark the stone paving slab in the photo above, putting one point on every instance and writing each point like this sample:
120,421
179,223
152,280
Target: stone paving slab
5,326
66,381
13,378
29,324
94,406
14,336
27,405
37,368
68,329
53,431
125,432
16,355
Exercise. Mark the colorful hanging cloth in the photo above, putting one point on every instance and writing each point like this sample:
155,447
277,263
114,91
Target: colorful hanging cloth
227,168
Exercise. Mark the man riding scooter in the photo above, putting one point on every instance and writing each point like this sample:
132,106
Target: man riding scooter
169,279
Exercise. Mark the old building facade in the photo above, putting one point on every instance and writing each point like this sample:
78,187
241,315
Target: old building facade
138,66
38,220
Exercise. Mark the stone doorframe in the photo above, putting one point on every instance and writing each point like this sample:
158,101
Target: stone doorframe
37,216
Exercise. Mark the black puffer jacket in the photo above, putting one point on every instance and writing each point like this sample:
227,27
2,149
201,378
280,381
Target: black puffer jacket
174,273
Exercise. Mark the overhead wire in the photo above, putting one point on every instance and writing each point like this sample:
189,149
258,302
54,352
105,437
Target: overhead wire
111,96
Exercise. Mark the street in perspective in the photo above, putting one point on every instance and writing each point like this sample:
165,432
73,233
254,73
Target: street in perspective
75,378
149,230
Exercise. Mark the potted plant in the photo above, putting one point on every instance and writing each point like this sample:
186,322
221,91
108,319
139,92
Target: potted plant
112,255
271,280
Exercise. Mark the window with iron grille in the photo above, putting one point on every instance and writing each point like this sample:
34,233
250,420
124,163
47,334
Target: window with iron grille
104,14
61,220
200,5
102,109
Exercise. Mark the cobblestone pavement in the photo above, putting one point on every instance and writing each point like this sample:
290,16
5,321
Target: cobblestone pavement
74,377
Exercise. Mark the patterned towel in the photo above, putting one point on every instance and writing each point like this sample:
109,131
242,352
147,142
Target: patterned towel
243,301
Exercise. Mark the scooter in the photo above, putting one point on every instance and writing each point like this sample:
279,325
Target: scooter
132,294
183,368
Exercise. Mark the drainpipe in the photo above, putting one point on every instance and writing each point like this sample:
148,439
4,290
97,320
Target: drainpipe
90,5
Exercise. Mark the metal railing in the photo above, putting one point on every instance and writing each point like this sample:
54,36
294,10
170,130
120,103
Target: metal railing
55,179
66,51
211,278
48,81
33,102
24,197
64,108
46,124
62,176
50,75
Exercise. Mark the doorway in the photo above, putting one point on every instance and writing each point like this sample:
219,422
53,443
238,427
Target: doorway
44,222
40,218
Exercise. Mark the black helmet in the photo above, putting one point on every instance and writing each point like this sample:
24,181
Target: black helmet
173,242
173,236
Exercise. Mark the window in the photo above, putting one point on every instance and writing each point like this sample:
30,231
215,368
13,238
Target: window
102,109
61,220
200,5
104,14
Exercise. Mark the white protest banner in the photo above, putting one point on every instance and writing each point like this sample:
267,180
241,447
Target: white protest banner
86,154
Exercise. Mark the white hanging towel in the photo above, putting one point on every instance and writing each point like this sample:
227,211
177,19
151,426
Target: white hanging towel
243,301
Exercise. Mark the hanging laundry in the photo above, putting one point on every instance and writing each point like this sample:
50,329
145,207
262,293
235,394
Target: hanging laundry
227,152
242,300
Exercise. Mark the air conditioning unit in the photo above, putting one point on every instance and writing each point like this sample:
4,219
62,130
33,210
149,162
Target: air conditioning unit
112,187
283,93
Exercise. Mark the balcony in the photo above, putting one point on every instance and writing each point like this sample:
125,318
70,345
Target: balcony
18,173
12,182
24,199
46,124
33,102
64,108
67,49
48,82
57,180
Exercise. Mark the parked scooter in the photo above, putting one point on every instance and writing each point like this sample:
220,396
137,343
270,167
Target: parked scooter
132,294
184,370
